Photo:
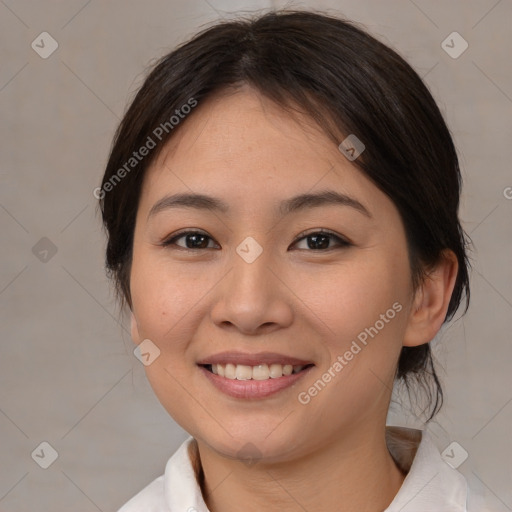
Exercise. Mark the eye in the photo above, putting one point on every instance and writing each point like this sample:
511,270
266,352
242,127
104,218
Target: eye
193,240
320,240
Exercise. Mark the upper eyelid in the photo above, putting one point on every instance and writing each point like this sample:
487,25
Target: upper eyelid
176,236
342,239
321,231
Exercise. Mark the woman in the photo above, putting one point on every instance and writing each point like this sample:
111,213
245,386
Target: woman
281,203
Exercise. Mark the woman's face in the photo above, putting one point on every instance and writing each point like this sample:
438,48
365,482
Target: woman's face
260,286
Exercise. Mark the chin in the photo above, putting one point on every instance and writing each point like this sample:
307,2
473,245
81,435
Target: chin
251,446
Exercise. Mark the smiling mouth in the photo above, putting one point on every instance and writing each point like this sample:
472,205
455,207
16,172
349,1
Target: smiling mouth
258,372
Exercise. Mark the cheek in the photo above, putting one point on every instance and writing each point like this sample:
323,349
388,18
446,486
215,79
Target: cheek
162,295
162,305
349,297
363,303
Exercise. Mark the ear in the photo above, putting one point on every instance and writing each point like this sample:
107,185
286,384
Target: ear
134,328
431,301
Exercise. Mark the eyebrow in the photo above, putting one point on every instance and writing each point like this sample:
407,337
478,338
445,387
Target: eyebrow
293,204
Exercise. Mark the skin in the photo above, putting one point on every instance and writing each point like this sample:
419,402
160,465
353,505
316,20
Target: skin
293,299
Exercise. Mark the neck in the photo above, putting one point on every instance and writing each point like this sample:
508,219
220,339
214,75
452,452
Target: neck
353,473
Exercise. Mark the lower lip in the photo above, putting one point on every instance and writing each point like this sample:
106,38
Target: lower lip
252,388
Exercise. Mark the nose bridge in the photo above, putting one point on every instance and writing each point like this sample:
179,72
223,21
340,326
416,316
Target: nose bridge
251,274
251,296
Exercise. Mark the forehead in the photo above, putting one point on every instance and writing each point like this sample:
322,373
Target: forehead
244,147
241,124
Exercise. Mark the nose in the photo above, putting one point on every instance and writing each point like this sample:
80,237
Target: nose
252,298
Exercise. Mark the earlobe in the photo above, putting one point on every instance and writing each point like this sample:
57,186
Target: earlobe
431,301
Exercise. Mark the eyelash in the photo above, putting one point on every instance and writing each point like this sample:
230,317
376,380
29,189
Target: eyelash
342,242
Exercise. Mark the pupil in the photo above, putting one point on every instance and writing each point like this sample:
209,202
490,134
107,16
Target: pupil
194,239
318,245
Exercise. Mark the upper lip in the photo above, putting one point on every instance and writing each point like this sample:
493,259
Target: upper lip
252,359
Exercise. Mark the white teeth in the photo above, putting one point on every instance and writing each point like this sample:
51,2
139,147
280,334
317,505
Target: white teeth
243,372
276,371
259,372
229,371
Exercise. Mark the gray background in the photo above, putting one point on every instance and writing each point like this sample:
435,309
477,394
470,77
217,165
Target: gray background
67,372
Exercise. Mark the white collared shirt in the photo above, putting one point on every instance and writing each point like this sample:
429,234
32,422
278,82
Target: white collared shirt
431,485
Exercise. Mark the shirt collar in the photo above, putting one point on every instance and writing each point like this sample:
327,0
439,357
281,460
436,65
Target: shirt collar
430,484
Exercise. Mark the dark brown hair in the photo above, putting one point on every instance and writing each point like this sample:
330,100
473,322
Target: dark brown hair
349,83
